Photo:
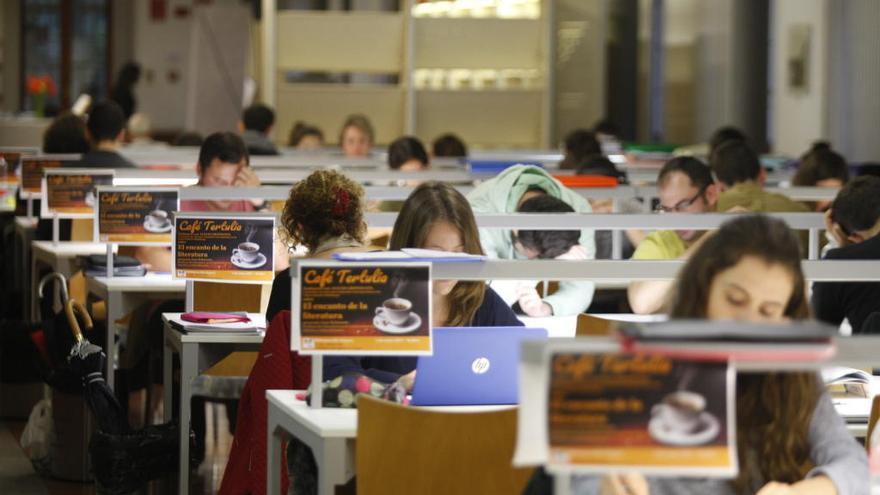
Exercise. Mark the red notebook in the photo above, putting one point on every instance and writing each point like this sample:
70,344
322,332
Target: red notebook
211,317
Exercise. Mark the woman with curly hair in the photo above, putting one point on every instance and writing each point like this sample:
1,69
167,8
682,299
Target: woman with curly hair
325,214
790,440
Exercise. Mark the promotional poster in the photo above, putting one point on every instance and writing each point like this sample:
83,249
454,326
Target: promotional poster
135,215
362,308
647,413
70,193
32,175
220,247
9,167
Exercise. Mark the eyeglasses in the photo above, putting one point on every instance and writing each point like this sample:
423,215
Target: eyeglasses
681,205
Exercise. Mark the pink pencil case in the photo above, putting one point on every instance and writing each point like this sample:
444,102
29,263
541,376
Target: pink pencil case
211,317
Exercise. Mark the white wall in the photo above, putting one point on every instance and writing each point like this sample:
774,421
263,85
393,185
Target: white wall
854,76
799,118
162,48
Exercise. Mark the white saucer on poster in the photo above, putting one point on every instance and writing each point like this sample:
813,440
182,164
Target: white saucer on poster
249,265
157,228
706,431
413,322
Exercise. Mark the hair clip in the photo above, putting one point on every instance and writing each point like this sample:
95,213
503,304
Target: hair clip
340,206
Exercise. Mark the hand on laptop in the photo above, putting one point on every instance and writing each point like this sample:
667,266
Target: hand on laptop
531,303
408,380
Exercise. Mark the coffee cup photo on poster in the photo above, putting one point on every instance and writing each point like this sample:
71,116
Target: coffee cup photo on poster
249,255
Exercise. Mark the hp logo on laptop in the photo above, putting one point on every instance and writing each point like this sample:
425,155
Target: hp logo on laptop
480,365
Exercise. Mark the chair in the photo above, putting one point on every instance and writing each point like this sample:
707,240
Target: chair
411,450
872,420
591,325
212,296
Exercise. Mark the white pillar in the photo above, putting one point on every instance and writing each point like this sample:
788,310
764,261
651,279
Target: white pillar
267,86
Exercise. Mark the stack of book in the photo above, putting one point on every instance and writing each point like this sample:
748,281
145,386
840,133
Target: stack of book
726,340
235,323
851,390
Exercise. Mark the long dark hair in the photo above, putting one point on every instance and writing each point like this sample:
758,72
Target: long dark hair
774,410
428,204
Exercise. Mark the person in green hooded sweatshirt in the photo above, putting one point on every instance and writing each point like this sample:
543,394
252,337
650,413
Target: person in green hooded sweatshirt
505,193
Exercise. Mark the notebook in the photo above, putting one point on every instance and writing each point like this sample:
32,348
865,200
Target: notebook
472,366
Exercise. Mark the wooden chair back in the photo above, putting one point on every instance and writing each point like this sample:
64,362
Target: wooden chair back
590,325
412,450
213,296
872,420
82,230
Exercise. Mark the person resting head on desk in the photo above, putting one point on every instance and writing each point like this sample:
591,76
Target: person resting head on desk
821,167
790,439
223,162
506,193
435,216
325,214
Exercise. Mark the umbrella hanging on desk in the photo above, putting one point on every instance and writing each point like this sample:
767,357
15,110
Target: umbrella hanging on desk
88,360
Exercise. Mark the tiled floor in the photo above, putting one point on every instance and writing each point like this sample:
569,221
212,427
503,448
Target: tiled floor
17,475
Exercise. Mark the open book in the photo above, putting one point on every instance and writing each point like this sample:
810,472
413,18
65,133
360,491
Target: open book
410,254
848,382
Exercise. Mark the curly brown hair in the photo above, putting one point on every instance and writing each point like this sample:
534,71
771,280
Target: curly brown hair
324,204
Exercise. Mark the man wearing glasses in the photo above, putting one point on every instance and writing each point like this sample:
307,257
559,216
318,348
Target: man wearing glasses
685,185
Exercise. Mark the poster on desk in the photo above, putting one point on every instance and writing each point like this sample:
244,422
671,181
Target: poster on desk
70,193
645,413
361,308
9,163
135,216
32,169
230,247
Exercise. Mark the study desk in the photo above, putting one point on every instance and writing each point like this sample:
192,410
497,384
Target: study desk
198,352
60,258
123,294
24,234
329,432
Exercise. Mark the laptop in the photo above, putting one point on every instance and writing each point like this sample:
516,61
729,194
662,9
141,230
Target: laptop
472,366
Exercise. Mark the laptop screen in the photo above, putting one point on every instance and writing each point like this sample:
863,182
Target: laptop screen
472,366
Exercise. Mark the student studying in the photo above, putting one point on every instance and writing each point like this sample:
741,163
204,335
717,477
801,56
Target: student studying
449,179
435,216
749,270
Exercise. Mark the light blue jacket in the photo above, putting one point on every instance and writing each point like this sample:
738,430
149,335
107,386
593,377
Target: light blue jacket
501,194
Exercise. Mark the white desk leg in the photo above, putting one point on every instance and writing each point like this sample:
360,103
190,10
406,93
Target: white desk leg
188,371
35,304
562,484
275,434
331,472
114,310
167,379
